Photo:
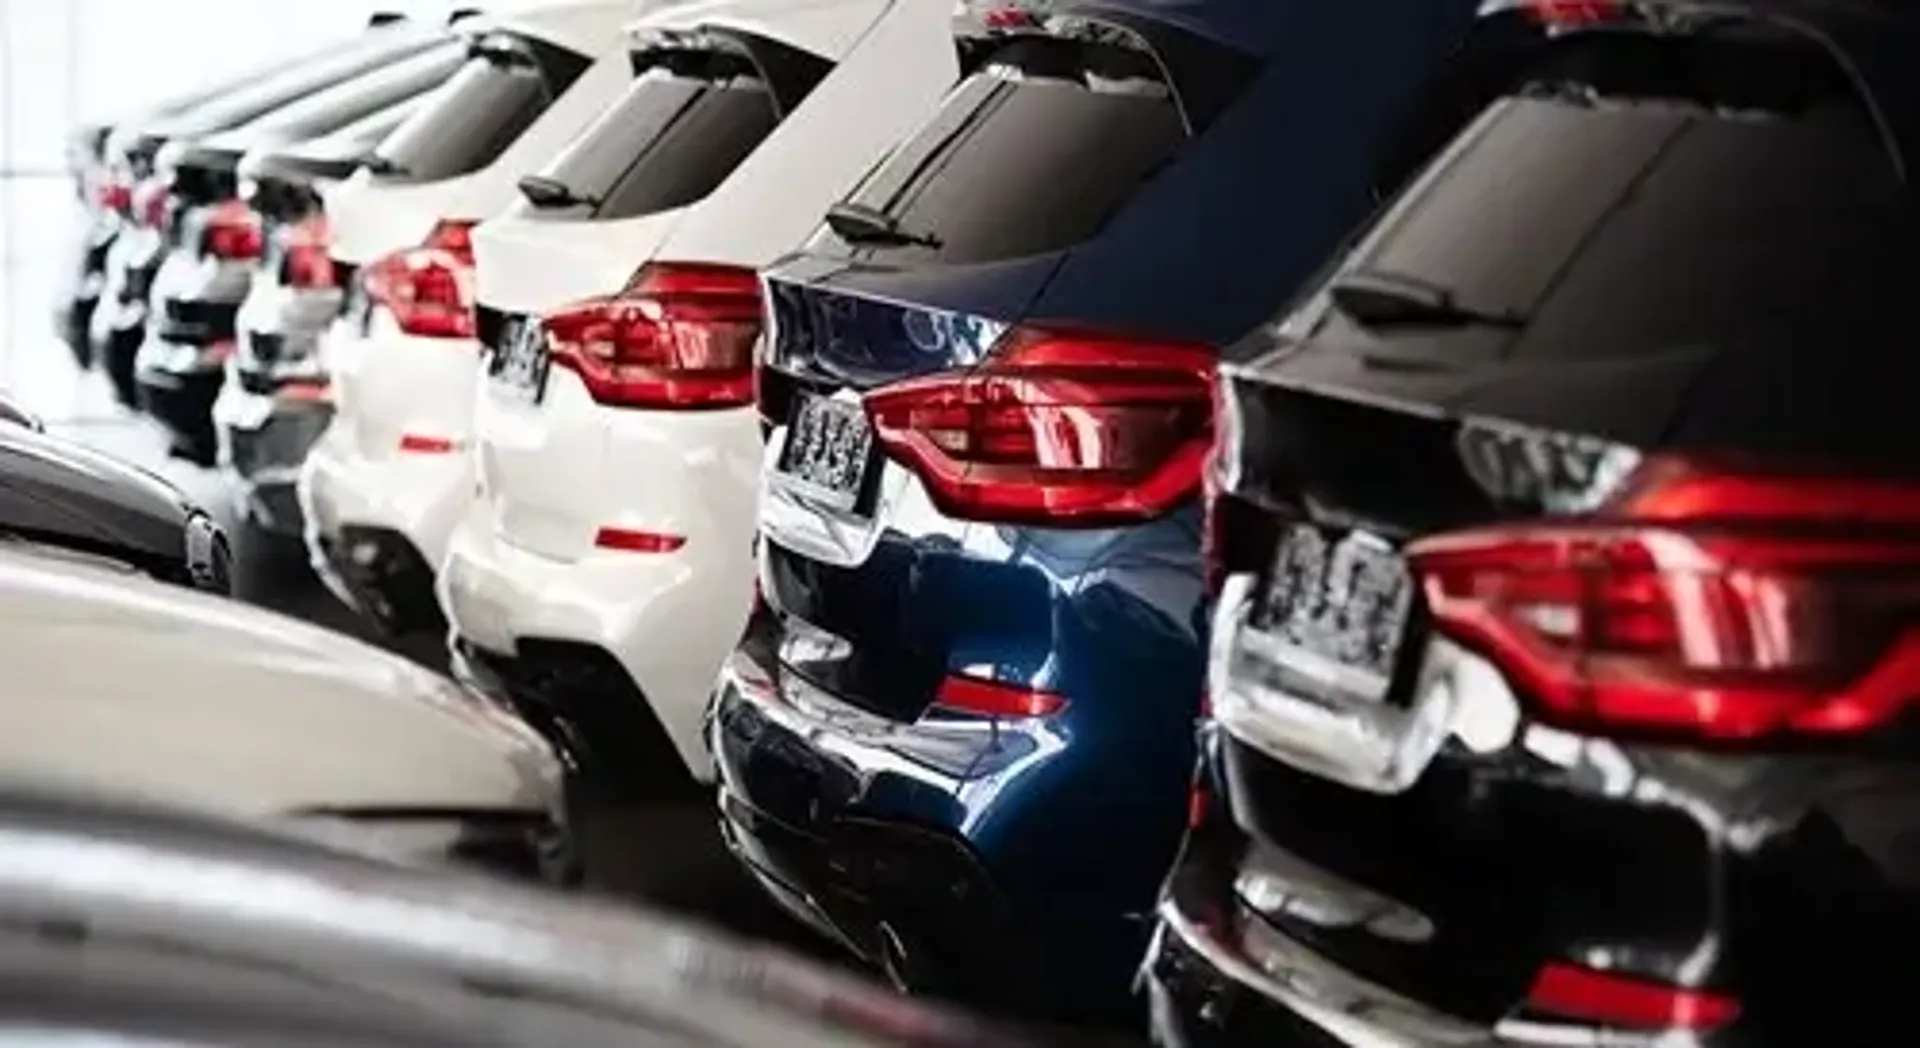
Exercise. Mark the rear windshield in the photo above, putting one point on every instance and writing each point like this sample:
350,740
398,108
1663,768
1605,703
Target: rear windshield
1033,153
1642,195
677,133
488,103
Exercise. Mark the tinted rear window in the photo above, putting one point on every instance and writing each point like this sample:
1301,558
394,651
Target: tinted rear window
1031,154
671,139
487,104
1642,195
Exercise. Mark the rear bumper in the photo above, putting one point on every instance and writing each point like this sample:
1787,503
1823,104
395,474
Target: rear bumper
414,499
264,441
666,620
903,862
180,399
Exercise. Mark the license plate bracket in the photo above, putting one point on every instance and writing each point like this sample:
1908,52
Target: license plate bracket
1334,611
827,452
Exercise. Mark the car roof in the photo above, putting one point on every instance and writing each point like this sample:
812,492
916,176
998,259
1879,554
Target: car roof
551,969
821,28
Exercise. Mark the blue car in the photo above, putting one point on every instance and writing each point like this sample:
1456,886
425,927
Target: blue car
958,733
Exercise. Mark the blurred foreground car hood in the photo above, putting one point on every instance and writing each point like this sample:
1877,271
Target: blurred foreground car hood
120,682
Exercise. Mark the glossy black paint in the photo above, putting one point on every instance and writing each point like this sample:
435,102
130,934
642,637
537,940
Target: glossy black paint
1779,874
59,493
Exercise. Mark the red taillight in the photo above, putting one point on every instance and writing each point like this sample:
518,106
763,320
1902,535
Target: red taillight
1571,13
1058,428
113,194
309,259
680,336
428,289
232,232
1700,602
148,203
1587,996
631,541
990,698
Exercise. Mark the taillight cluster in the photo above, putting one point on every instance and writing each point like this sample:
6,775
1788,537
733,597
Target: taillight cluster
680,337
428,289
1059,428
1705,601
307,262
147,203
232,231
113,193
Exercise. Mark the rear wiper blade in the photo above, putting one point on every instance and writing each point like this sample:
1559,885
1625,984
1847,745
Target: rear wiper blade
544,192
1376,299
860,224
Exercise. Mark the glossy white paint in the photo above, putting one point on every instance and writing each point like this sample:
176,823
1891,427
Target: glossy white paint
371,218
386,385
124,684
522,562
389,383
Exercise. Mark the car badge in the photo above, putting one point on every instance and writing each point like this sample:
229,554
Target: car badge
1530,466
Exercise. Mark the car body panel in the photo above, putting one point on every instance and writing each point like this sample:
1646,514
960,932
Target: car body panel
198,687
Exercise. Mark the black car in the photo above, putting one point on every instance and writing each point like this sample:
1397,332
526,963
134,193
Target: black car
124,924
62,495
959,728
215,239
1563,669
119,322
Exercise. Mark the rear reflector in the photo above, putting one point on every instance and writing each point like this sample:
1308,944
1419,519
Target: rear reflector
680,336
304,392
1572,13
421,444
1058,428
638,541
989,698
428,289
1586,996
1704,601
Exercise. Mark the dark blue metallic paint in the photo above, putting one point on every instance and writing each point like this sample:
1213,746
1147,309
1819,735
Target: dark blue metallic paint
1017,859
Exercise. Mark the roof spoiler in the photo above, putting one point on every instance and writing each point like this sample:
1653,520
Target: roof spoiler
789,72
1203,75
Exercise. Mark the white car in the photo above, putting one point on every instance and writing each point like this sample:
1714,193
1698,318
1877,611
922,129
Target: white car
120,682
382,488
605,570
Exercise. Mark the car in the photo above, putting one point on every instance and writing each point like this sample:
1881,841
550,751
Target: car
959,728
131,923
125,684
215,241
118,327
603,572
57,494
276,400
105,192
1562,657
380,490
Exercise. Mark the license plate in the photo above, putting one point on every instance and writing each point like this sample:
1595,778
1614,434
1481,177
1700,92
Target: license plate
828,447
1334,611
520,366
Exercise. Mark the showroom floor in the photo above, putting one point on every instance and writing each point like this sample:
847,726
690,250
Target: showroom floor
666,853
